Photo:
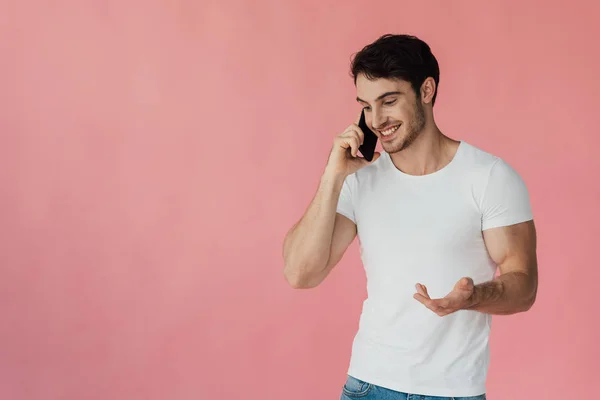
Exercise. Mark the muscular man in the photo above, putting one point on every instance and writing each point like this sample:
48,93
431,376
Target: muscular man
434,217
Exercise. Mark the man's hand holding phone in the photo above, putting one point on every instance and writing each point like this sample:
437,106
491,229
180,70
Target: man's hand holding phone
344,159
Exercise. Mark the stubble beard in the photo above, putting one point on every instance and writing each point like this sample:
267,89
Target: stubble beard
413,130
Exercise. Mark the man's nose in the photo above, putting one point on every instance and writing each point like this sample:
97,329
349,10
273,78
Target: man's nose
378,121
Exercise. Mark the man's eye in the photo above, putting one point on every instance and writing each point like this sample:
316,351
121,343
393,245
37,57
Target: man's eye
389,103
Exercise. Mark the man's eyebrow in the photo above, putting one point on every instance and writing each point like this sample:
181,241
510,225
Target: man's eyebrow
380,97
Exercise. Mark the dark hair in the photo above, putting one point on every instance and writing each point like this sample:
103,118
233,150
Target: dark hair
403,57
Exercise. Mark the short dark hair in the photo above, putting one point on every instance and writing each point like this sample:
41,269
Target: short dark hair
403,57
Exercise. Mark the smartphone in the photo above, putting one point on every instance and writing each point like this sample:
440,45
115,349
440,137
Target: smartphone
367,149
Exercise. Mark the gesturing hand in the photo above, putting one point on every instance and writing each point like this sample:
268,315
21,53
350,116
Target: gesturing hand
460,298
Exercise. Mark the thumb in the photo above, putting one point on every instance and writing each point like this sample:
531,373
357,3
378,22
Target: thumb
466,282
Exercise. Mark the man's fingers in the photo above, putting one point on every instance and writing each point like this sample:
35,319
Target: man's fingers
419,290
433,305
354,146
354,131
424,300
352,141
422,290
441,307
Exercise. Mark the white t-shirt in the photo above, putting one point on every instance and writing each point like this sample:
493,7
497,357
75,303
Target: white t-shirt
427,229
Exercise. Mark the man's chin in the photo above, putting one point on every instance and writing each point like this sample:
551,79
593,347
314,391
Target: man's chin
394,146
399,144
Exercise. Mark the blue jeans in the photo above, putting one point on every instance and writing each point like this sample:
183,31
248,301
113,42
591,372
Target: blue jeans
356,389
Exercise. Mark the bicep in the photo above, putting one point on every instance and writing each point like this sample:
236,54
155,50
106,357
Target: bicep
344,232
513,247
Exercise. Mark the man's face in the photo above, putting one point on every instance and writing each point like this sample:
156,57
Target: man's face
402,110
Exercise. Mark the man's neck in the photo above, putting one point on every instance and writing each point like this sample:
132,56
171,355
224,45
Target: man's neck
430,152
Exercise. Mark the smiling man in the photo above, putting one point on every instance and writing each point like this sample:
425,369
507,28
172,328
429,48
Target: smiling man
435,217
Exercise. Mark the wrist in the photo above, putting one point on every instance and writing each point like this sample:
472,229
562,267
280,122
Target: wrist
475,298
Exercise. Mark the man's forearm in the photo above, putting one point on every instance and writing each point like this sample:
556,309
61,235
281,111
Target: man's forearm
509,293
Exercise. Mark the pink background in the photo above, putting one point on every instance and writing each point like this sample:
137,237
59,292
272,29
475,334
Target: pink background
154,154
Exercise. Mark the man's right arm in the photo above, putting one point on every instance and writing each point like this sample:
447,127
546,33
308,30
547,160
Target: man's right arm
318,241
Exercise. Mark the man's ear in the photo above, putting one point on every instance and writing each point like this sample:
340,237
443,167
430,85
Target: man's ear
428,89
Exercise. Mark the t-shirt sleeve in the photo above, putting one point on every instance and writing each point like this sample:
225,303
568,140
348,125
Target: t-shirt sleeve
345,204
505,199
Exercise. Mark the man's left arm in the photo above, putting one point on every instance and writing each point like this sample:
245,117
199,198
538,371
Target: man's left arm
510,238
513,249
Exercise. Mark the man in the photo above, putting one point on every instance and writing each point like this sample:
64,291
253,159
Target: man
435,217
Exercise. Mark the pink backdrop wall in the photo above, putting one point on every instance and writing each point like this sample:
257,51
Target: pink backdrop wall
153,155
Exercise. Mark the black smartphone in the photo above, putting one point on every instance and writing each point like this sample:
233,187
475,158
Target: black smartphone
367,149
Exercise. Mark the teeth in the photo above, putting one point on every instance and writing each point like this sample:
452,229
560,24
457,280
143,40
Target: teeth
390,131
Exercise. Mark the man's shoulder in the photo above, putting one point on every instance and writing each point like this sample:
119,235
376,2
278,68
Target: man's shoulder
477,157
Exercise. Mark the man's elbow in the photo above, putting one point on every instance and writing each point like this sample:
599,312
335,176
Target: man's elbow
295,282
529,302
300,281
